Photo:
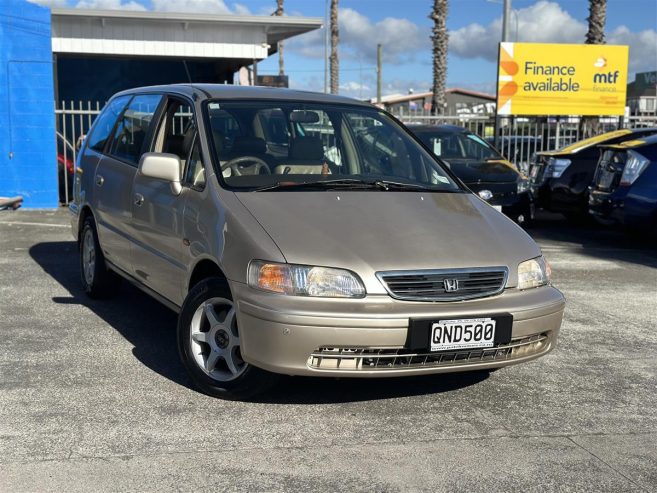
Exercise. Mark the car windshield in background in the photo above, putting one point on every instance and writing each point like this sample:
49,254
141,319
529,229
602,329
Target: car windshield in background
459,145
271,145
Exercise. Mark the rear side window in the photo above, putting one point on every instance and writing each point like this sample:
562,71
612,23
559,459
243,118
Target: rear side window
133,127
105,123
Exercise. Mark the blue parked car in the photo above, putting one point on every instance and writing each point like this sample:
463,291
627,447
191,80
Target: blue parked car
624,189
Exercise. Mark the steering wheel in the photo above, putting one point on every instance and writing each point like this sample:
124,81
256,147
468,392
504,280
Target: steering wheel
257,164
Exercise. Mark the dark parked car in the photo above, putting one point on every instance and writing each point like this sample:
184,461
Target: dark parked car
625,185
560,179
481,168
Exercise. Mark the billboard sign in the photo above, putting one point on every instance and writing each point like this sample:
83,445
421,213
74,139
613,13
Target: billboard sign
561,79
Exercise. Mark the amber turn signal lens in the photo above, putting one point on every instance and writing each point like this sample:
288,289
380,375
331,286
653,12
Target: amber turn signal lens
276,278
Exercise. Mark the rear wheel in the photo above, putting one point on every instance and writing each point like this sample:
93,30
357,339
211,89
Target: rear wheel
97,280
210,347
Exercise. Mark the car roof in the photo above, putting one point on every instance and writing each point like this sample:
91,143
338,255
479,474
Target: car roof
632,144
226,91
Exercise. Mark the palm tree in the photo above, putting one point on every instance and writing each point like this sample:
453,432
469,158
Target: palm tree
281,62
595,35
597,19
335,39
439,39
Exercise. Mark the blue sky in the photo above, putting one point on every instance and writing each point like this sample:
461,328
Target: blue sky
402,26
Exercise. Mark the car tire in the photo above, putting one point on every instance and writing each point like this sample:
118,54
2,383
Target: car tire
208,344
97,280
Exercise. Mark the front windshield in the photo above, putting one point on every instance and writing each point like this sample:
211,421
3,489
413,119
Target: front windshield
276,144
459,145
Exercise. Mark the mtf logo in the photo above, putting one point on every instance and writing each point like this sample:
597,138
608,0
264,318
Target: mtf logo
608,78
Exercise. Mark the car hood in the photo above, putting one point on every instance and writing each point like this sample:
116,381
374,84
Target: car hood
471,172
367,231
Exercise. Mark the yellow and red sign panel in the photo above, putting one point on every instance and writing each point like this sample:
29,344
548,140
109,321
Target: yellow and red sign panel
561,79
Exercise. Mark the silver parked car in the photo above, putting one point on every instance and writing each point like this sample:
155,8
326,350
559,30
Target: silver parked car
302,234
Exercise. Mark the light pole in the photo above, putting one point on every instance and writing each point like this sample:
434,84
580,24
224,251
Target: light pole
326,34
506,14
506,17
505,20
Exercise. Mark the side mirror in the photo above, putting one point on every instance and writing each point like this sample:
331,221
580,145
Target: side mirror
162,166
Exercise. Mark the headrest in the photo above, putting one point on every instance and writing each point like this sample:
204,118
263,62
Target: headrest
249,145
307,149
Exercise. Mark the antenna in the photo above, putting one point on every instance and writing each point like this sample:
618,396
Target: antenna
189,77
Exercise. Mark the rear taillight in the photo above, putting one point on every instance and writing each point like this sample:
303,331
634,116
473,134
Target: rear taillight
634,166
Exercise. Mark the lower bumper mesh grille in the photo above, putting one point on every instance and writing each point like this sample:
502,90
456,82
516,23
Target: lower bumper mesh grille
366,358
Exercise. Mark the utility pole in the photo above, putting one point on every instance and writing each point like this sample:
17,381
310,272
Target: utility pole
506,15
505,20
378,72
326,43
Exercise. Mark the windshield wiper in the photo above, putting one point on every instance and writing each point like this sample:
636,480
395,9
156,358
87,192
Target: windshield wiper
319,184
343,183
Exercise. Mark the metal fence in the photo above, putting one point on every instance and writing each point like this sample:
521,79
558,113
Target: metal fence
73,119
519,138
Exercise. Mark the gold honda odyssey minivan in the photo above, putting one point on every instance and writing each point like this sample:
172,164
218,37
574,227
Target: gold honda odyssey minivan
302,234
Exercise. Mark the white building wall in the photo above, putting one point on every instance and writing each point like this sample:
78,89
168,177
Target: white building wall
158,38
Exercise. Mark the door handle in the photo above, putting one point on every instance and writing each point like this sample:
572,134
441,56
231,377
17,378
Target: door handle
139,199
100,180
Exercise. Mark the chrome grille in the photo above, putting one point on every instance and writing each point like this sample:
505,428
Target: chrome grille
436,285
364,358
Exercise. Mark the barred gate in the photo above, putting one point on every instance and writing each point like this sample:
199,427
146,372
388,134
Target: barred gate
73,119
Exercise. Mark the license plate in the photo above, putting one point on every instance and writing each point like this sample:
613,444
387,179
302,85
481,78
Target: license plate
462,334
497,207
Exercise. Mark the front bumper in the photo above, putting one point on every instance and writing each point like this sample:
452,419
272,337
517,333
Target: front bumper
521,209
295,336
517,206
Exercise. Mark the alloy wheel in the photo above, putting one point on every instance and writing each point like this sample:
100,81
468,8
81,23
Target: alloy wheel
215,341
88,256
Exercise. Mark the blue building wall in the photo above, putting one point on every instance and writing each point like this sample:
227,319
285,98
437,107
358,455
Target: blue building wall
28,159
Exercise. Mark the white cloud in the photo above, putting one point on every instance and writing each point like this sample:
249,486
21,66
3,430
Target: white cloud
49,3
191,6
355,89
109,5
546,22
199,6
241,9
643,47
401,39
542,22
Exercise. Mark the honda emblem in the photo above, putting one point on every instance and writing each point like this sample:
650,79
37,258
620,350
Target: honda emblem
451,285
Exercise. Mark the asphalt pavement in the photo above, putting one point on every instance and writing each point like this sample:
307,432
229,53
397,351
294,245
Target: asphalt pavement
93,397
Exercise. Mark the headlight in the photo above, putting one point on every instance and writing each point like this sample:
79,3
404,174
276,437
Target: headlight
557,166
485,194
304,280
634,166
523,185
534,273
